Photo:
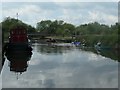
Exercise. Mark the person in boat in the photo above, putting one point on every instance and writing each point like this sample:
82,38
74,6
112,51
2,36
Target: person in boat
51,40
98,45
76,43
83,42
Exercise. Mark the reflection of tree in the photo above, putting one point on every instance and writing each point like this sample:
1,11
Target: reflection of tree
18,60
53,49
109,53
113,54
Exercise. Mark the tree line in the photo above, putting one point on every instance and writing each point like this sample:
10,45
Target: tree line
59,27
91,32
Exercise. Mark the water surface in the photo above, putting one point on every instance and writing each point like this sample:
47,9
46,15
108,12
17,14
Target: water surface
62,66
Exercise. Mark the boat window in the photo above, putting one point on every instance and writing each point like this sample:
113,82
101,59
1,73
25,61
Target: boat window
12,32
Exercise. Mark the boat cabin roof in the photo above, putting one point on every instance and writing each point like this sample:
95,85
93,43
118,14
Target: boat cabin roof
18,30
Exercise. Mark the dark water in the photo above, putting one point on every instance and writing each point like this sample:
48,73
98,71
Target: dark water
60,65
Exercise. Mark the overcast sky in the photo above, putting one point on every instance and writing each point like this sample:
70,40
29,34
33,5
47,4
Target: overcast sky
72,12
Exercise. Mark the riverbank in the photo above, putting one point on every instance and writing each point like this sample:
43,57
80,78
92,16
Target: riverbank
108,41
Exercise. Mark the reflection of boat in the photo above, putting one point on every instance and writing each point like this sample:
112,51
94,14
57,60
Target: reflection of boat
18,39
18,60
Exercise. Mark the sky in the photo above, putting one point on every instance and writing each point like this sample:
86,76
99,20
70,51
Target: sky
76,13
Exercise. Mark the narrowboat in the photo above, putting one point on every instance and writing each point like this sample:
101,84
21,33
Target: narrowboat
18,39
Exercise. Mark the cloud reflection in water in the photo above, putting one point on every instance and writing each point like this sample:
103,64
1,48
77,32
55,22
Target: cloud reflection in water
71,68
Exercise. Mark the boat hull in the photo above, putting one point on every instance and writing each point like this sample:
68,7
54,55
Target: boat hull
14,47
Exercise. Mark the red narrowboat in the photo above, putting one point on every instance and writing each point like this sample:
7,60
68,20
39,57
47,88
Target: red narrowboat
18,39
18,35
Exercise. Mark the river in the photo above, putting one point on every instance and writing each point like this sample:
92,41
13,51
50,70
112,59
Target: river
61,66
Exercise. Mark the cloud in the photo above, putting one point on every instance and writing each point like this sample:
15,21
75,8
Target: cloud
101,17
61,1
72,12
27,13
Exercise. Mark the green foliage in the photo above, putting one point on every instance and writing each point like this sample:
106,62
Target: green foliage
94,32
91,32
9,23
93,28
55,28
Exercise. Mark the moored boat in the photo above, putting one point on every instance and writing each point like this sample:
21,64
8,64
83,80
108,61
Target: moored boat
18,40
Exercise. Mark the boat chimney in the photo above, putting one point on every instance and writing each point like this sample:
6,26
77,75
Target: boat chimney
17,16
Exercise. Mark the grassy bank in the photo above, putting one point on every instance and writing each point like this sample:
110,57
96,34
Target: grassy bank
90,40
106,40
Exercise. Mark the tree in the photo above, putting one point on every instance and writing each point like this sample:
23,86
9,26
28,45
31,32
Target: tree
44,26
9,23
